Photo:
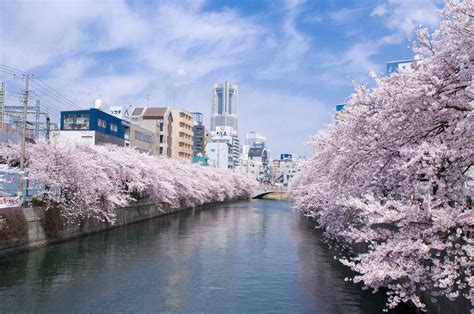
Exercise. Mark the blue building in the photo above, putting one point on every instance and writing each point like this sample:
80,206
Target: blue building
94,126
286,156
341,114
400,66
340,107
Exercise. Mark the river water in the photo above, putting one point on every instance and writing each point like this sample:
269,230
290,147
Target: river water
250,256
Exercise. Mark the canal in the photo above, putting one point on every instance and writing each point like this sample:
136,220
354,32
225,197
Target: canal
250,256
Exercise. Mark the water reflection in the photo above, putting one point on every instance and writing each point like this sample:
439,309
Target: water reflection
239,257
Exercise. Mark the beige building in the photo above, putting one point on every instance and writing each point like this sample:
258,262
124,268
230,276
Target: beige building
182,134
143,139
160,122
275,170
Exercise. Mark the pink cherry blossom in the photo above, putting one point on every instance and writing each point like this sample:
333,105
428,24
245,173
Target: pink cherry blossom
92,181
391,181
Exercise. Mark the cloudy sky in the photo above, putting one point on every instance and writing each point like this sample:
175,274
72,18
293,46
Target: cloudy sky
293,60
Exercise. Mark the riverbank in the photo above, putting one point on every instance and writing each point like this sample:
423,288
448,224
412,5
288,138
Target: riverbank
42,228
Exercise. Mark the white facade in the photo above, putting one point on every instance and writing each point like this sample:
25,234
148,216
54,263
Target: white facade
235,150
255,159
83,137
227,135
218,154
401,66
245,153
287,169
255,168
253,138
121,112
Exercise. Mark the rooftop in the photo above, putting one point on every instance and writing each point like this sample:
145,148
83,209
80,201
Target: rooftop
150,113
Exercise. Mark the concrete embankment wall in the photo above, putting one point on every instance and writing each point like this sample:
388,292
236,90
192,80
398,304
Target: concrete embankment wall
38,235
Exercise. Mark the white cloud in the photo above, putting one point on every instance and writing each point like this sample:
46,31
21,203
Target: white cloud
38,33
405,15
174,50
379,10
354,63
395,38
199,42
291,47
345,14
74,44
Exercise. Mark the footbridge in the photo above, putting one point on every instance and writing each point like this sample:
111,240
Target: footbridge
261,192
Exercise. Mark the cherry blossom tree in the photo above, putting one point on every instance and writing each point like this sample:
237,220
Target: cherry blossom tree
392,179
92,181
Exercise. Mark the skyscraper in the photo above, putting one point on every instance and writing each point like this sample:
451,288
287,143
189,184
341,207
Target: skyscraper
224,123
224,106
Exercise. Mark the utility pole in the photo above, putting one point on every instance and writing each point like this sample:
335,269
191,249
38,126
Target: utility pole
23,138
48,127
37,116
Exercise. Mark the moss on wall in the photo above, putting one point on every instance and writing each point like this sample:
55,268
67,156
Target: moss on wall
13,226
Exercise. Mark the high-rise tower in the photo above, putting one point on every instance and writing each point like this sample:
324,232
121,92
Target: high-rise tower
224,127
224,106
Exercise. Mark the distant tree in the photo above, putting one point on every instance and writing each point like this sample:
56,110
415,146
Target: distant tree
396,173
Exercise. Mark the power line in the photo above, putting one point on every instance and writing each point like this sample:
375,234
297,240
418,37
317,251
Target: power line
53,101
41,87
38,80
10,72
52,97
13,69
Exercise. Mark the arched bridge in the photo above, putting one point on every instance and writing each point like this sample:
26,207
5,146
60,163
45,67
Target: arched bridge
262,192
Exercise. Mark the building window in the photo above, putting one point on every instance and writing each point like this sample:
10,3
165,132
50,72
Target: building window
231,101
143,137
101,123
68,121
113,127
161,126
76,121
82,122
161,150
220,100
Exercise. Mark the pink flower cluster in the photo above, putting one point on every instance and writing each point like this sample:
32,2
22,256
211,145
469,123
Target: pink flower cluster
393,177
92,181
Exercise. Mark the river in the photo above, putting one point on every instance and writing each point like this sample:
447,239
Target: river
249,256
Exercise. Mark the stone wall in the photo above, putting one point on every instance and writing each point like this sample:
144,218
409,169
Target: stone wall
38,236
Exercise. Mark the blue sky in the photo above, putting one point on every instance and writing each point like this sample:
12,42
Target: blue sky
293,60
